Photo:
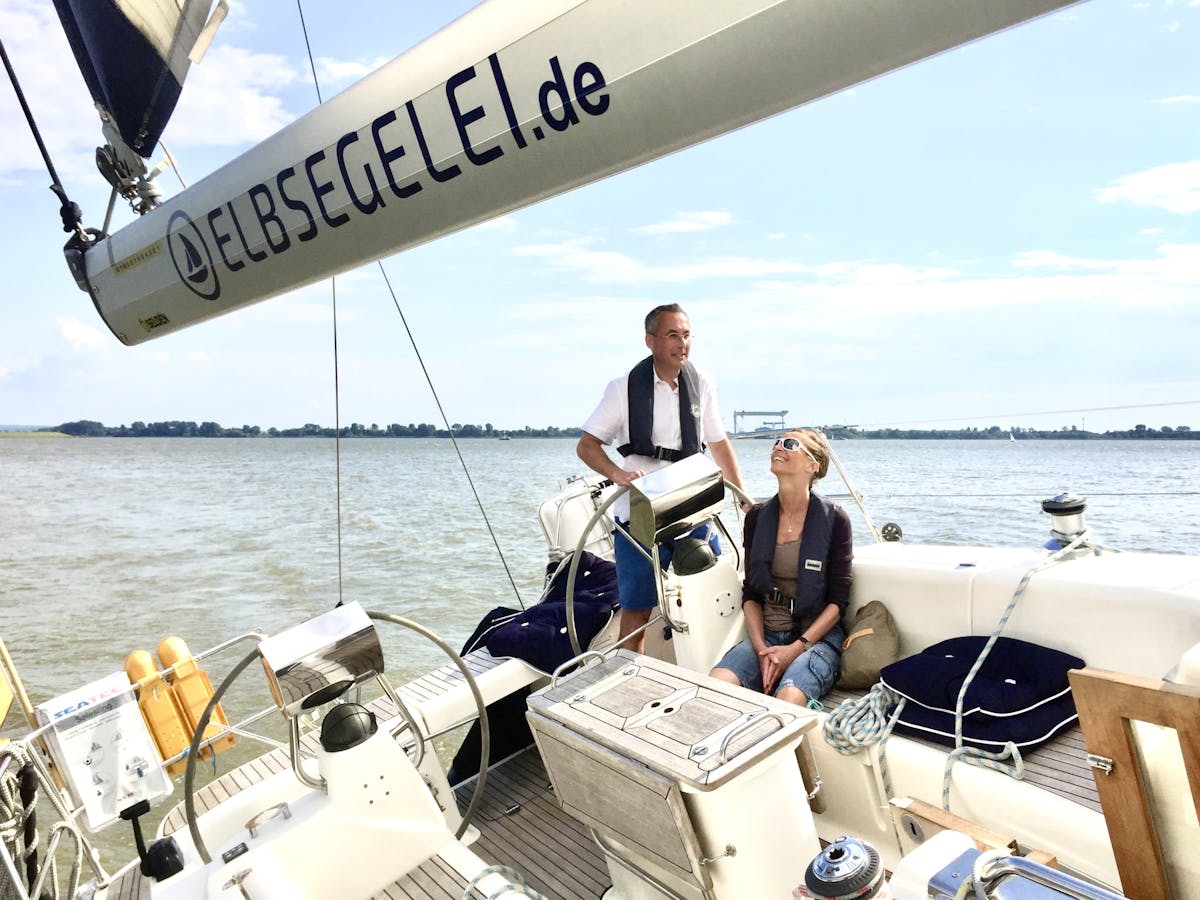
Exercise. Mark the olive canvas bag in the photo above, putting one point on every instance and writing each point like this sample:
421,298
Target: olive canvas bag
872,642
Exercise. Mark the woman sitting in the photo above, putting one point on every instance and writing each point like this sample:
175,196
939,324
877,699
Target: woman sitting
799,548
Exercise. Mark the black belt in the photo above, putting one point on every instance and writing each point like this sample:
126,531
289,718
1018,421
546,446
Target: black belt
778,597
664,453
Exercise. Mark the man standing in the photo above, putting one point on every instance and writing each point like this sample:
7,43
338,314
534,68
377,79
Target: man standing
662,411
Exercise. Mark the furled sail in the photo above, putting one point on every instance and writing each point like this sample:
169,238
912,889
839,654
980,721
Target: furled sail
517,101
134,56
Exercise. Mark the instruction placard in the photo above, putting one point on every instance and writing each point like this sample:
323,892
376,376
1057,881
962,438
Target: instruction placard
101,745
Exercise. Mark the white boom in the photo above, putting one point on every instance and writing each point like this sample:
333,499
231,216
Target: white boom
515,102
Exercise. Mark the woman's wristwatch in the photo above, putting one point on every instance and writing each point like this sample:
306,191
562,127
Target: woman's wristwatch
805,643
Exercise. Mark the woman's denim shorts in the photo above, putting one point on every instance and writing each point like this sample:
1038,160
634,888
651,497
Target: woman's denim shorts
814,671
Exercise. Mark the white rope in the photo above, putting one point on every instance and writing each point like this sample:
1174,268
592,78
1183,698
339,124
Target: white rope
858,724
13,814
973,755
46,883
516,886
983,759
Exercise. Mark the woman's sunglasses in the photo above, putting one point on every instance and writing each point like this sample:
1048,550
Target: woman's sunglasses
794,444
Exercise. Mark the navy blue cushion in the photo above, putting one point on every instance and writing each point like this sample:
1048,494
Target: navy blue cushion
1019,694
538,635
1027,730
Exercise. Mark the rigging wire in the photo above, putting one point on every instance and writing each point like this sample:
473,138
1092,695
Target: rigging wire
337,390
70,212
170,158
307,46
337,432
445,421
428,380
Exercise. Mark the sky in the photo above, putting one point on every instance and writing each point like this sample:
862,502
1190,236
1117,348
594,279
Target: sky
1007,234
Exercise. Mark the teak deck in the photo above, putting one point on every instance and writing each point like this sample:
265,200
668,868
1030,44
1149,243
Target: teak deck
523,827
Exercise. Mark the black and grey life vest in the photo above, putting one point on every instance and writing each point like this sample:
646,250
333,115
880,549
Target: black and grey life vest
811,574
641,413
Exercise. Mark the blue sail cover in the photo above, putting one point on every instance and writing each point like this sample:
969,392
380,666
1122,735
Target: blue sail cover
133,55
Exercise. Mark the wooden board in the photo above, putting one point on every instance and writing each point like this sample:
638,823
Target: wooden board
1108,704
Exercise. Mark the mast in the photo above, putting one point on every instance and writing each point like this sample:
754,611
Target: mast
513,103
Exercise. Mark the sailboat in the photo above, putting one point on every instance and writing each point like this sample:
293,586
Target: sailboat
645,778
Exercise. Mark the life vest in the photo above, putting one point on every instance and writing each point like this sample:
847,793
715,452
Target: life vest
641,413
811,595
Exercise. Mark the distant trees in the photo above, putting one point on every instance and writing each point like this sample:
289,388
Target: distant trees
83,428
1064,432
89,428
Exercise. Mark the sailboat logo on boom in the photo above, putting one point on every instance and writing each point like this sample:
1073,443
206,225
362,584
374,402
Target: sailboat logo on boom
191,256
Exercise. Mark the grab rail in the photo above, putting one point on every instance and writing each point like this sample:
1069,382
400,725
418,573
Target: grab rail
990,868
746,726
587,654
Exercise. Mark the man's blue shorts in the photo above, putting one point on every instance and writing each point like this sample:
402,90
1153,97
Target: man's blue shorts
635,577
814,671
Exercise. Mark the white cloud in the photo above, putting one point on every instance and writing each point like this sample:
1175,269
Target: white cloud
336,73
687,222
1174,187
502,224
612,267
14,365
1182,98
229,99
1175,263
79,335
54,90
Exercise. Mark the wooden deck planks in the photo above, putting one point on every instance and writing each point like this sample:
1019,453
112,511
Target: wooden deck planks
432,880
552,851
129,885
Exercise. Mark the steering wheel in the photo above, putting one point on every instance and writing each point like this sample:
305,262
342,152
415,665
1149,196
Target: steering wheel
189,775
572,630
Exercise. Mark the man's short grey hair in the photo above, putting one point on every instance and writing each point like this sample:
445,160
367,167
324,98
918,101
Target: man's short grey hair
652,316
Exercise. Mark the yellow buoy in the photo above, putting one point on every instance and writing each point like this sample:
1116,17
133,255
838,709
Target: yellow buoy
192,690
6,697
160,709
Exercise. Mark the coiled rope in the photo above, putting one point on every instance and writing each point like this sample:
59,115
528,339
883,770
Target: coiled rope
858,724
15,815
863,722
22,841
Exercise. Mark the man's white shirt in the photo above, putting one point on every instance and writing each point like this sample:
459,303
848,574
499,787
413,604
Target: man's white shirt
609,423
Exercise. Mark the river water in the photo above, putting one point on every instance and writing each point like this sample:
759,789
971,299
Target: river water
110,544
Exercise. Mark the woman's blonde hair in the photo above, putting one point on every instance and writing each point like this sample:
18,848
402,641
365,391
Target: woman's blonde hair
818,448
